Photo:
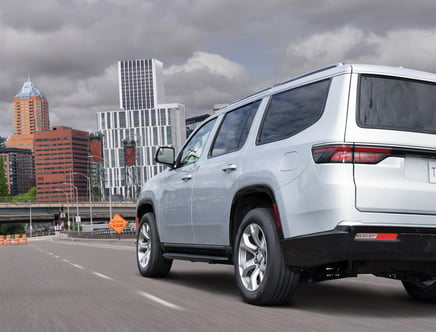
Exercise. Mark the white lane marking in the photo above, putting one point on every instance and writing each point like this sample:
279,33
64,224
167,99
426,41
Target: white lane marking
101,245
78,266
102,276
159,300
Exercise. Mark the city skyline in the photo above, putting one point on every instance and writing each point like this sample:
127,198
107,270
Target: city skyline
213,51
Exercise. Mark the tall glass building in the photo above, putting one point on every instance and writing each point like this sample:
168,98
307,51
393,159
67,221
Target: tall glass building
140,84
132,134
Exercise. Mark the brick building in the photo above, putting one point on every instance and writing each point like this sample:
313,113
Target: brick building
61,159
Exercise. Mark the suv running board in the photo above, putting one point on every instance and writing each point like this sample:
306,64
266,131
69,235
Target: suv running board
198,258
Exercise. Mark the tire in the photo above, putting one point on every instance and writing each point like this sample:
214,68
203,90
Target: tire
422,289
149,257
261,274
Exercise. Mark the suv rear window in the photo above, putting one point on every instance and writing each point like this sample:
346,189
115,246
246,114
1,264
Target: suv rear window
397,104
292,111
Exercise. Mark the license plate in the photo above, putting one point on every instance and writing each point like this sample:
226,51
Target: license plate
432,171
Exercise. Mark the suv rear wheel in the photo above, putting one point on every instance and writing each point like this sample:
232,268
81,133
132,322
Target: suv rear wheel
422,289
149,257
261,274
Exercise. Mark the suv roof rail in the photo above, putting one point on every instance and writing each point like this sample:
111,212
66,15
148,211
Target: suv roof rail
319,70
290,80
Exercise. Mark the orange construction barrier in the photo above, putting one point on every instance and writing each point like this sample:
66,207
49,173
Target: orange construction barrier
17,239
24,239
2,240
8,239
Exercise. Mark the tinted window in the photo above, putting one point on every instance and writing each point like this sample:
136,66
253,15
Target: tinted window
292,111
194,148
397,104
234,130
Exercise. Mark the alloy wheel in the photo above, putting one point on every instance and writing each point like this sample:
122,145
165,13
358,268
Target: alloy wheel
252,257
144,245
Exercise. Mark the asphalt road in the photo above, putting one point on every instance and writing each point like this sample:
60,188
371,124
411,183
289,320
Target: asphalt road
59,285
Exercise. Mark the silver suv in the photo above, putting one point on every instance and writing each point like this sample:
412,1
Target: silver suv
328,175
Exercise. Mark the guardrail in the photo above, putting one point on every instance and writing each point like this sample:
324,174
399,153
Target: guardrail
103,234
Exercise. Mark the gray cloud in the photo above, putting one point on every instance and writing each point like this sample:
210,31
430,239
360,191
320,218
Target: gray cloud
213,51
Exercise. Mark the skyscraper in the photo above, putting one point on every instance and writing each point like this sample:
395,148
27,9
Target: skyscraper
132,134
140,84
30,114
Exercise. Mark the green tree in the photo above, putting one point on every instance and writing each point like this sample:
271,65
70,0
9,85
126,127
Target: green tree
3,141
9,229
30,196
4,189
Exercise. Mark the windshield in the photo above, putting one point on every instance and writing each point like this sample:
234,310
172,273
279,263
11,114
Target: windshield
397,104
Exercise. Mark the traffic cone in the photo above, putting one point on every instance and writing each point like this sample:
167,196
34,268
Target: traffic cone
8,240
2,240
17,239
24,239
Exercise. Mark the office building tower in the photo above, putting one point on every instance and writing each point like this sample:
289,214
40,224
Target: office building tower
130,140
18,165
132,134
61,164
30,115
140,83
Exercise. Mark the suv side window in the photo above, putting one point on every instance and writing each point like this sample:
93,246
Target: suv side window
234,130
292,111
193,149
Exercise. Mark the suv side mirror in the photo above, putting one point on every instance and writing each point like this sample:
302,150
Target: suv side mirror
165,155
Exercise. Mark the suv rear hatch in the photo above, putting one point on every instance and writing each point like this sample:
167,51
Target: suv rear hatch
392,130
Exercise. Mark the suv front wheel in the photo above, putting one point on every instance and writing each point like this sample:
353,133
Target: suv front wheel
261,274
149,257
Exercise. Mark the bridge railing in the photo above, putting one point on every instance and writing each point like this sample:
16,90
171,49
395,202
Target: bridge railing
103,234
62,200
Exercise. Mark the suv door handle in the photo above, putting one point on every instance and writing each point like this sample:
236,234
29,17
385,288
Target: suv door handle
187,177
229,168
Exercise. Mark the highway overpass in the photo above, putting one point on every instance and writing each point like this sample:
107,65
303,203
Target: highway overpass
48,212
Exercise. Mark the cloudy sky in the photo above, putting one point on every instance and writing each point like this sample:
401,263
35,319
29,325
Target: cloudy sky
214,51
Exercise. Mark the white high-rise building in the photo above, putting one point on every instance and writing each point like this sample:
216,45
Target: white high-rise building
140,83
132,134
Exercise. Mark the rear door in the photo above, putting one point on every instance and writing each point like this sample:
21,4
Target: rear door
392,125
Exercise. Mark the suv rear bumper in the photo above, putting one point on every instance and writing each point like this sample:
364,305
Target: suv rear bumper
413,249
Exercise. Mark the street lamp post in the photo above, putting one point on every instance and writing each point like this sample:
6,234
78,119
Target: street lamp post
30,218
90,196
77,210
71,196
68,207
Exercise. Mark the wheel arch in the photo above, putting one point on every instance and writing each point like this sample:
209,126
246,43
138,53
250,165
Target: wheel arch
143,208
247,199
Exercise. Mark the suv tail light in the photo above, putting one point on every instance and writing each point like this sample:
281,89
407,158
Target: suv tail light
349,154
